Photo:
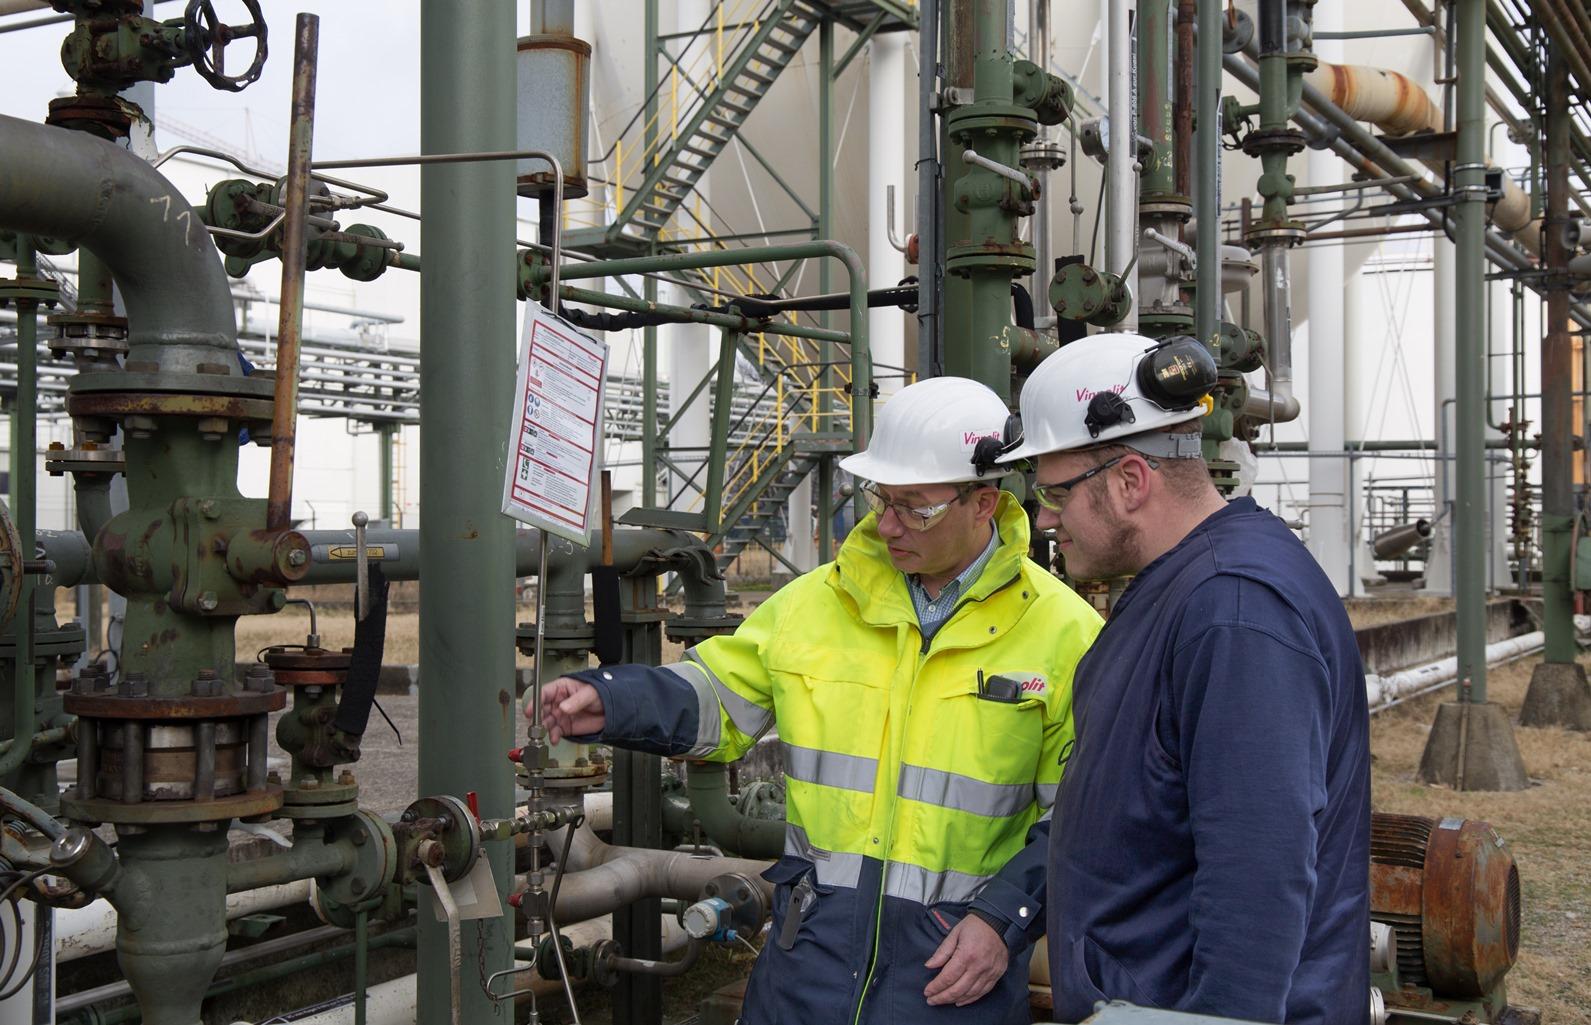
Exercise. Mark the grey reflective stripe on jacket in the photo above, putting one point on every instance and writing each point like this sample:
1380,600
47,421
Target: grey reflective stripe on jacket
963,793
830,768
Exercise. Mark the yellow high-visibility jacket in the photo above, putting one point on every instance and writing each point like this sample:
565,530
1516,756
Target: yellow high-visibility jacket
919,777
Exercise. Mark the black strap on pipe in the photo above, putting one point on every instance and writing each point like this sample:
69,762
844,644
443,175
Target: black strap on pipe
364,666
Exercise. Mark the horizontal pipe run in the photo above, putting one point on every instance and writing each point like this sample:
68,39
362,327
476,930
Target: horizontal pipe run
1395,688
83,932
308,858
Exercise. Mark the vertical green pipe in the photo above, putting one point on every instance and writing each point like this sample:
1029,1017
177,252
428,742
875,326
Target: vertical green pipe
723,406
467,339
1159,178
384,437
1557,383
1469,512
649,333
1207,162
361,962
983,250
24,443
826,395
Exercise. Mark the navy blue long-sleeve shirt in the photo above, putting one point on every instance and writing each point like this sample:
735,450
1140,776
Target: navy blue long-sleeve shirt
1211,848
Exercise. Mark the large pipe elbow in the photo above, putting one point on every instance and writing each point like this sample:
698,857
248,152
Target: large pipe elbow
73,186
707,784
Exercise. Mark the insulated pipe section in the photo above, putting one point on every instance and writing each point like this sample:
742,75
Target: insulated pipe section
1385,691
1399,106
1280,405
601,878
1390,544
73,186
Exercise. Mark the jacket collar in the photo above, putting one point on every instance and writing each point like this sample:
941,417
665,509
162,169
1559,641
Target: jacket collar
863,572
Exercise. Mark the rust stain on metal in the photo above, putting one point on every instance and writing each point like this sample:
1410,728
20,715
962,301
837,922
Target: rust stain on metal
226,706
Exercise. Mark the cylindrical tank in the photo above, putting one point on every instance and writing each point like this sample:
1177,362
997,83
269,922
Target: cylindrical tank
554,106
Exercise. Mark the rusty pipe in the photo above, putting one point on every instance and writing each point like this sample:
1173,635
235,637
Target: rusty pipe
290,329
1182,102
1398,105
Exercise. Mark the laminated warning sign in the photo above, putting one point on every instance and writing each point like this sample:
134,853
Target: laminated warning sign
556,427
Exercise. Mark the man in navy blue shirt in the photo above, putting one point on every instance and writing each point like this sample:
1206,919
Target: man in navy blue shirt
1210,851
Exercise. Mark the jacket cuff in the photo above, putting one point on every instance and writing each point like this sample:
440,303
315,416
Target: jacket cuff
1014,914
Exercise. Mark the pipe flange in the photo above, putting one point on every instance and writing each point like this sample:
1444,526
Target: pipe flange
446,820
1042,156
689,630
557,640
979,118
98,810
1016,256
70,639
558,777
1271,140
87,458
91,336
185,707
1176,208
1287,233
375,859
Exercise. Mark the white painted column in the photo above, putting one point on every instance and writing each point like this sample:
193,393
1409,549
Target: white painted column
1439,564
801,548
1329,535
1359,357
886,166
19,1009
690,348
1500,321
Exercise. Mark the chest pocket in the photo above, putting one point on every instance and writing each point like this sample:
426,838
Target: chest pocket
831,700
998,741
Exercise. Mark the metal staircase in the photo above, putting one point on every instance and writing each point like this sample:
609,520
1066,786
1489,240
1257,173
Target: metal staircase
680,159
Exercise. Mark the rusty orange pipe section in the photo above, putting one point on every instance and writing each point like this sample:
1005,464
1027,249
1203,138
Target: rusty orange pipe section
1398,105
290,329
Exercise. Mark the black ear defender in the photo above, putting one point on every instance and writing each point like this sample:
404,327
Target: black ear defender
988,450
1177,373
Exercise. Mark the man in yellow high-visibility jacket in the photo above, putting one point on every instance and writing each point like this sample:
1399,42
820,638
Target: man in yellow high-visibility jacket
922,685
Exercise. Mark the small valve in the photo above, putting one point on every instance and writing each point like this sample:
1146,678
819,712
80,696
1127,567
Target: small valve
361,564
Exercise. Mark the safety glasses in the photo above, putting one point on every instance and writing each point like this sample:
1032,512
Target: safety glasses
914,517
1053,496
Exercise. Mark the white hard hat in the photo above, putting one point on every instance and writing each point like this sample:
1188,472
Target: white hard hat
927,433
1115,388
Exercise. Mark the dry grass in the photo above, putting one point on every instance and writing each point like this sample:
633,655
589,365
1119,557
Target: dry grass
1548,827
1363,612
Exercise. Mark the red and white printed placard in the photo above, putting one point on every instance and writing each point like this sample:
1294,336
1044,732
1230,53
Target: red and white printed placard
556,428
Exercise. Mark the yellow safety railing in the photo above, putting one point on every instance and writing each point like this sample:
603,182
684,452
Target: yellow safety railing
704,72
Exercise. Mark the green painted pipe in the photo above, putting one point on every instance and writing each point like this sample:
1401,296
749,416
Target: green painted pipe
861,358
707,784
1207,162
1469,218
128,1013
24,443
467,342
1159,179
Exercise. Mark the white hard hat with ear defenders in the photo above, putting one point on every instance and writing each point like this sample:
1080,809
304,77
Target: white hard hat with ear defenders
1115,389
928,433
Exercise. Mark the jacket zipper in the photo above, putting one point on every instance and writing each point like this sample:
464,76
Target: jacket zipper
889,836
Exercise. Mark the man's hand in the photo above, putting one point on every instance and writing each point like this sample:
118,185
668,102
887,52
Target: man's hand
972,958
569,708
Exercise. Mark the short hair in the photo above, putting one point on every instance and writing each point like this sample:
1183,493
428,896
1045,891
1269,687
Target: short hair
1186,478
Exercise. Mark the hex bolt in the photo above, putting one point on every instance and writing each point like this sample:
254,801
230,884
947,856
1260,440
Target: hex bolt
360,838
309,783
274,778
134,685
297,557
208,601
346,779
209,509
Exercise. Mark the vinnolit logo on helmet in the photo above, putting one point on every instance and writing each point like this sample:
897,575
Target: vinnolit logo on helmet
970,439
1087,394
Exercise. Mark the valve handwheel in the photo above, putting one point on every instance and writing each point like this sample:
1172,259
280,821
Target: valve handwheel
205,38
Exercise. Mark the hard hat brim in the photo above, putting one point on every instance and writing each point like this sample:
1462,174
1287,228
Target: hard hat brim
869,467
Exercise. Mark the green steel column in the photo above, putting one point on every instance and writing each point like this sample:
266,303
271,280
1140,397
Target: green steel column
467,333
1557,382
1207,164
826,397
1469,216
384,436
649,339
